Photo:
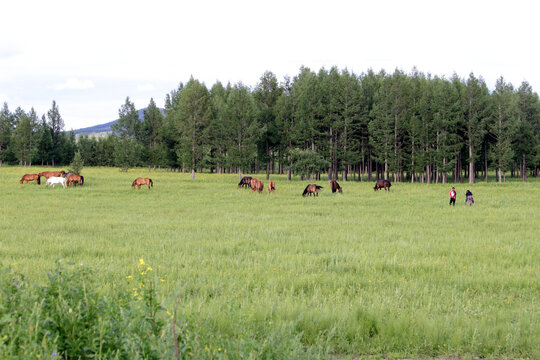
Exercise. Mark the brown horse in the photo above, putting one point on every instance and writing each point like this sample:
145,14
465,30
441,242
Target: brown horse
312,189
49,174
382,184
142,181
31,177
74,177
271,187
254,182
335,186
257,185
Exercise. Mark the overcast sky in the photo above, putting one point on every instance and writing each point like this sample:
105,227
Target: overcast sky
89,56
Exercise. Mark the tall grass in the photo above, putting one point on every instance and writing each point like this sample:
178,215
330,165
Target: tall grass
363,272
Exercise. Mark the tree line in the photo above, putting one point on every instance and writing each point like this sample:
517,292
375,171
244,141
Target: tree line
398,126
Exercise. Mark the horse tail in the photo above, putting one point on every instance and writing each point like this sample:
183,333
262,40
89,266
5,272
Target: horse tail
318,187
151,182
39,180
82,180
305,191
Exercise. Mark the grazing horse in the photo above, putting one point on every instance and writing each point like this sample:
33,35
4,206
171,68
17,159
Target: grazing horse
49,174
271,187
31,177
253,183
257,185
245,182
53,180
75,177
335,186
312,189
142,181
382,184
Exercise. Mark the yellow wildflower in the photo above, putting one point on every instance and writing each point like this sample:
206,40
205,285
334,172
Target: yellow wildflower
141,261
149,269
129,277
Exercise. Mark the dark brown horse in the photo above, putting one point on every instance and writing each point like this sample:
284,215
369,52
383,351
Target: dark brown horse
312,189
74,177
31,177
271,187
142,181
335,186
49,174
245,182
382,184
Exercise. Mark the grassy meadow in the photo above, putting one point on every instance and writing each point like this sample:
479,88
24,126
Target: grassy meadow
363,273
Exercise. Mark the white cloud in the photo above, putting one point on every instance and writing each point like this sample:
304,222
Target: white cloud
145,87
74,84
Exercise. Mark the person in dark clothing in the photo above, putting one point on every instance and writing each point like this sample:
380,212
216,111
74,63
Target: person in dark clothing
468,198
453,197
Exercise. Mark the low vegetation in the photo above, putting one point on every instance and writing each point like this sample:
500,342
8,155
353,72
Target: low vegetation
105,270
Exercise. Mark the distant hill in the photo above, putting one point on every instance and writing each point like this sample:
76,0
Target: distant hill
104,129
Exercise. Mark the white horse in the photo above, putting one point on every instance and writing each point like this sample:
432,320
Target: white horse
56,180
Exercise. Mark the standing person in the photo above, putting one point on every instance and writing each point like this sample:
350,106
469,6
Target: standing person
453,197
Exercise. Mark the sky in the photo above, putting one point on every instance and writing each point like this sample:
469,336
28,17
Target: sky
89,56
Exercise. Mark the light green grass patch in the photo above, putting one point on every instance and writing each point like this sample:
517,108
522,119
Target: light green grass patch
362,272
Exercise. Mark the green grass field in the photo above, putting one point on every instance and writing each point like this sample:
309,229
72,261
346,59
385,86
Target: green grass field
366,273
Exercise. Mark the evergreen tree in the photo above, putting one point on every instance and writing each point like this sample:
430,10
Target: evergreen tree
219,134
6,130
266,94
77,164
56,126
126,128
476,104
240,114
525,143
150,134
503,126
381,126
191,117
87,149
44,147
24,136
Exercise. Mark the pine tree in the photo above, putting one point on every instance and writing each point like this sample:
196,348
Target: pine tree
503,126
266,94
525,143
126,128
44,147
243,127
476,104
77,164
6,129
191,117
56,125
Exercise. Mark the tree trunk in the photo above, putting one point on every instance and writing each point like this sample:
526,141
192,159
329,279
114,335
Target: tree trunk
471,164
523,171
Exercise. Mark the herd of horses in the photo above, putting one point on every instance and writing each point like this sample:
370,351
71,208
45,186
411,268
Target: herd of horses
256,185
54,177
311,189
66,179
